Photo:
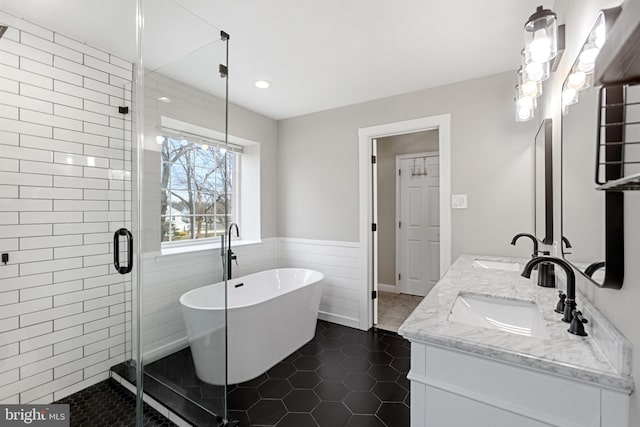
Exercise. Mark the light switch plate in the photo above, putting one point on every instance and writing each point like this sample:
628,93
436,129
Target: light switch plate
458,201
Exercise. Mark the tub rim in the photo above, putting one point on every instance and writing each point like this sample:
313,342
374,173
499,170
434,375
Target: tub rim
190,306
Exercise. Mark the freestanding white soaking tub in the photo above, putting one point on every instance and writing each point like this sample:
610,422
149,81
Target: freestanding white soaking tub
269,315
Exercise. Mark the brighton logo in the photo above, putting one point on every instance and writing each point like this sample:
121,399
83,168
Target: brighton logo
34,415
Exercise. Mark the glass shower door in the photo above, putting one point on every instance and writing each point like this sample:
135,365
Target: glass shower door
183,210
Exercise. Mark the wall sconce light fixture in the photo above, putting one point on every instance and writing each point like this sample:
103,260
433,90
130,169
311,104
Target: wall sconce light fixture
581,75
540,56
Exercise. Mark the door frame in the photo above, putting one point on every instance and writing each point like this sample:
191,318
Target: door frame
400,157
366,185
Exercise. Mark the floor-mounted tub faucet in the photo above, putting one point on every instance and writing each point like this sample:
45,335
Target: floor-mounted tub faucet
571,315
230,255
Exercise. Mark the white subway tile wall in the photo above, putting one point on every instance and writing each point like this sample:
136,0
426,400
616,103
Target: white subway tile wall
65,169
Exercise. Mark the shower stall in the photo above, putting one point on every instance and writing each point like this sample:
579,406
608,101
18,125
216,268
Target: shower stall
118,185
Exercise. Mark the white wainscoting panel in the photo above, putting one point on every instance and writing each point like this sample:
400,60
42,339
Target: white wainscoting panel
340,262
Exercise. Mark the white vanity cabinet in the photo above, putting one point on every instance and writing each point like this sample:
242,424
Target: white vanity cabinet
455,388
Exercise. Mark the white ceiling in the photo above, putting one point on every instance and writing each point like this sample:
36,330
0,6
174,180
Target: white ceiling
318,54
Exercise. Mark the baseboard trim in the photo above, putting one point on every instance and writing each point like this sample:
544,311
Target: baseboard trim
340,320
392,289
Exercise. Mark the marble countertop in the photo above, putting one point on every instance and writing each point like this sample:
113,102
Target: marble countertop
580,358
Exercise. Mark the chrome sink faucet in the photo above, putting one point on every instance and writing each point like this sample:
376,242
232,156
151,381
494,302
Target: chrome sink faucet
571,314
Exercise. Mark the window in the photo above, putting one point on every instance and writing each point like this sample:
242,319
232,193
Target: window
199,179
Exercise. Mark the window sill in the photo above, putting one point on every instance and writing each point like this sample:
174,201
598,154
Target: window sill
199,247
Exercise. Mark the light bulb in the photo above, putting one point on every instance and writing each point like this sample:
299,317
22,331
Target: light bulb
534,71
576,80
540,47
204,146
525,114
530,88
525,102
524,108
160,139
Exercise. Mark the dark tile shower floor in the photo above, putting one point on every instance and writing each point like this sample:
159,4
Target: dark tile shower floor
343,377
109,404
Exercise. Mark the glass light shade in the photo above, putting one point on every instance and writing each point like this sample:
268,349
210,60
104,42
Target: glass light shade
528,87
587,58
598,35
579,80
536,71
569,97
541,35
524,109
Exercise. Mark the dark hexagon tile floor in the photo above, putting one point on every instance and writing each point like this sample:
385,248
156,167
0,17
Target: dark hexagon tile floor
343,377
109,404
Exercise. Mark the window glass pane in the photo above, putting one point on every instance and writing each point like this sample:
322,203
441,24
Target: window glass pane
205,227
193,190
165,229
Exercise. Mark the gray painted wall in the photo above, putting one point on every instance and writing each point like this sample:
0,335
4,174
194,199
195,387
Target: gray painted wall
388,149
491,159
620,306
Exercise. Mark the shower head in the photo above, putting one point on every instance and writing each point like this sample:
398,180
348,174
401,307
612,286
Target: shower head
3,28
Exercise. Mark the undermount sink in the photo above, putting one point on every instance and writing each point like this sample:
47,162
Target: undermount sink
513,316
496,265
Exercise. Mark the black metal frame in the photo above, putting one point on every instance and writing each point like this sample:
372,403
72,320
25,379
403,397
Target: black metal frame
614,124
546,127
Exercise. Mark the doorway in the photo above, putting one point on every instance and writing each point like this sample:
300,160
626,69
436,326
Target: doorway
406,191
373,253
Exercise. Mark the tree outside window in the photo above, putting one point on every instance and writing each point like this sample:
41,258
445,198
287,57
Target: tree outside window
196,187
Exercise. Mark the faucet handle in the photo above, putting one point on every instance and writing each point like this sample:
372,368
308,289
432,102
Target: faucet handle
560,306
577,324
578,315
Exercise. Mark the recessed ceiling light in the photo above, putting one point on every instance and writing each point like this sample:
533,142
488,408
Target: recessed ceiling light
262,84
164,99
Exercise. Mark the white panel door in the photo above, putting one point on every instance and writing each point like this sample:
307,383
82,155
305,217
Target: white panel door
418,225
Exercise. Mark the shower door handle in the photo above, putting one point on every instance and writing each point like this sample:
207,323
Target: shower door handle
116,251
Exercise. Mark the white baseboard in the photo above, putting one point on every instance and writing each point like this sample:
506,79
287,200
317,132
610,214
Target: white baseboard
383,287
340,320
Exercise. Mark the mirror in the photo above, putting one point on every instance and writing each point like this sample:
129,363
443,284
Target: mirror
543,183
582,206
591,219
